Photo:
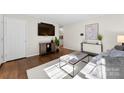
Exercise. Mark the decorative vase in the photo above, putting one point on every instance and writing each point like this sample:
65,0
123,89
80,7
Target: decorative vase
99,42
57,50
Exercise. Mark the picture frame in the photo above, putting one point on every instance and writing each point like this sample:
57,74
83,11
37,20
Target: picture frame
91,31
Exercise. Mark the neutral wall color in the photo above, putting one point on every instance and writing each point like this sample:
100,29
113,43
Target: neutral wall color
109,27
32,38
1,39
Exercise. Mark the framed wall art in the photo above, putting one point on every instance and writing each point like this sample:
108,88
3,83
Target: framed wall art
91,31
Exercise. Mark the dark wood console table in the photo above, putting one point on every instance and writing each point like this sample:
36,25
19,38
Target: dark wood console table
46,47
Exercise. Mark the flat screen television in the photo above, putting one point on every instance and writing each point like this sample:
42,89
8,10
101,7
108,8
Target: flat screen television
45,29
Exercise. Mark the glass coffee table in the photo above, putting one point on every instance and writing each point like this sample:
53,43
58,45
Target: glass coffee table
72,60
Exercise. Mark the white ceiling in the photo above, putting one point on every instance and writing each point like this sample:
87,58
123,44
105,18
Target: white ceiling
64,19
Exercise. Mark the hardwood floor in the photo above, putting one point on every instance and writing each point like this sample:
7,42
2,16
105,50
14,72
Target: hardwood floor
17,69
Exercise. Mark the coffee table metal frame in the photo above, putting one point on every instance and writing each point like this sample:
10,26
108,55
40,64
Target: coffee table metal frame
68,62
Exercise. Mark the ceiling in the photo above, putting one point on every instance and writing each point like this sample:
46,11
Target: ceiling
64,19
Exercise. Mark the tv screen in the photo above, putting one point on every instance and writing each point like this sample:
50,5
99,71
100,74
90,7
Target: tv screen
45,29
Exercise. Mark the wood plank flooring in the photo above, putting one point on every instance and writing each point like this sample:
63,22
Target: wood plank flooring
17,69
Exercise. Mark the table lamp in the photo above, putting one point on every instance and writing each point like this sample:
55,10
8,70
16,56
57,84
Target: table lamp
120,39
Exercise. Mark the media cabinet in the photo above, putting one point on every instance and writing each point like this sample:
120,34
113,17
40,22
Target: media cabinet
47,47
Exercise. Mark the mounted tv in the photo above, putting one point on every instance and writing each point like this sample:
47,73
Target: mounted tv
45,29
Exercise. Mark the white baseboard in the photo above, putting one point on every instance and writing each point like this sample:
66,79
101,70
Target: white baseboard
71,49
32,55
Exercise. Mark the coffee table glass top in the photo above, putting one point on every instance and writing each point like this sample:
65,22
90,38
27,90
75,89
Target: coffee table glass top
74,57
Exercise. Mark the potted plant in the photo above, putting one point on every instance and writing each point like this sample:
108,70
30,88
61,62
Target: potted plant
57,42
100,37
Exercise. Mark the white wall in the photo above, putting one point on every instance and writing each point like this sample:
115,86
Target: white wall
1,39
109,27
32,38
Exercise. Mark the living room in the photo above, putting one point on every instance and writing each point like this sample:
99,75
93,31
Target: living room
61,46
32,52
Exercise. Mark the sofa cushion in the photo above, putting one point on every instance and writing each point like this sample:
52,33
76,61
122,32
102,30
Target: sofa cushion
121,48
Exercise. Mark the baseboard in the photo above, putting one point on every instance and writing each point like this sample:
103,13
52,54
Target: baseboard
32,55
71,49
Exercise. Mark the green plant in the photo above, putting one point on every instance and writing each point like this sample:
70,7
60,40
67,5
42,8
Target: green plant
57,42
100,37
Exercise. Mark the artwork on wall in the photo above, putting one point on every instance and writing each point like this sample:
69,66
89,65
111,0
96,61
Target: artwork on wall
91,31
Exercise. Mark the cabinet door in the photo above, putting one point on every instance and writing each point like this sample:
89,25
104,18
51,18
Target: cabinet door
42,48
1,39
53,47
92,48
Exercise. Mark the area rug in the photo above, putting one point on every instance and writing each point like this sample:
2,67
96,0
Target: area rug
49,70
54,71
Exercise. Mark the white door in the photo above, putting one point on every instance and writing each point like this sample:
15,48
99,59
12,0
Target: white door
1,39
14,37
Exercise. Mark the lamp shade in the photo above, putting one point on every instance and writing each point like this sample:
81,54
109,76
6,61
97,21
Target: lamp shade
120,38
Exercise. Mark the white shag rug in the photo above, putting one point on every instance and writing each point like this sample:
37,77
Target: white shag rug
54,72
50,69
